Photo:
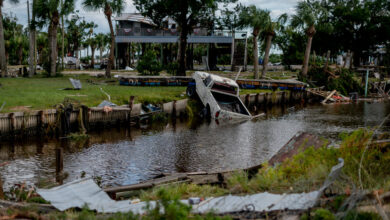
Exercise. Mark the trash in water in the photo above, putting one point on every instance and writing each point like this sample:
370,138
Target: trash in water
151,108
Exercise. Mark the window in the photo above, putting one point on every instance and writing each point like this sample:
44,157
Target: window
224,88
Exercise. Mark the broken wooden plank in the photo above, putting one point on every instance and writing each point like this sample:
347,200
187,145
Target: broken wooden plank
328,97
204,179
147,184
45,208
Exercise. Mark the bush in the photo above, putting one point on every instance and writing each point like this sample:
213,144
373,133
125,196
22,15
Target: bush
149,65
172,68
224,59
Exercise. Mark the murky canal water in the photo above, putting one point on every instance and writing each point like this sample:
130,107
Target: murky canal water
123,156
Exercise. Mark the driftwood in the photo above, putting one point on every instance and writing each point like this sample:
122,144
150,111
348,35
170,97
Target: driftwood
45,208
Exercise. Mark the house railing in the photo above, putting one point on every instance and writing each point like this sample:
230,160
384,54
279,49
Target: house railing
167,32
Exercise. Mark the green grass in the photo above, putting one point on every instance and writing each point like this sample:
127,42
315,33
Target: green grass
43,93
254,91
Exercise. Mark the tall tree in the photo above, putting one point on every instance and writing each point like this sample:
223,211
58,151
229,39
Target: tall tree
109,7
308,14
101,44
93,43
269,32
255,18
186,13
3,59
76,32
48,12
230,19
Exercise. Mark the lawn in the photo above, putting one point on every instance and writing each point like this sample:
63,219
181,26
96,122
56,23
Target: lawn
21,94
43,93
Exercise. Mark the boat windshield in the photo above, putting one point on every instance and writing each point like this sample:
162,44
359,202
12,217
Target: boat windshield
221,87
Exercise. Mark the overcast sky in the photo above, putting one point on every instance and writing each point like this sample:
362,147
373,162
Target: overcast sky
276,7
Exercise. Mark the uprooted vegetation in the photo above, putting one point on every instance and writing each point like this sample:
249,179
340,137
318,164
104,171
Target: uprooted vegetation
341,80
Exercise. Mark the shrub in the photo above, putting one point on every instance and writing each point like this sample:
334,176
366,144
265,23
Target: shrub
149,64
172,68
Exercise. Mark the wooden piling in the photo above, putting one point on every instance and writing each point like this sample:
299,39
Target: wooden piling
174,114
247,100
257,99
12,123
59,160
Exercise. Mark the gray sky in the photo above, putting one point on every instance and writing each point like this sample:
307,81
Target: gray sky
276,7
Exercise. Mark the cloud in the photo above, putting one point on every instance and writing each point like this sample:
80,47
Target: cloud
277,7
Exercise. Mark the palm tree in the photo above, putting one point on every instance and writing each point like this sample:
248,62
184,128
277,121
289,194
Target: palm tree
270,32
307,17
255,18
109,7
93,43
3,60
100,44
49,12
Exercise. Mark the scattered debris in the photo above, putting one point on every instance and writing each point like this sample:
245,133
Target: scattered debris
129,68
106,103
86,192
107,109
75,83
328,96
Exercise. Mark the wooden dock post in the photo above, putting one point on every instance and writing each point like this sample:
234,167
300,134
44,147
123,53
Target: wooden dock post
247,100
257,100
12,123
174,114
41,122
131,104
59,160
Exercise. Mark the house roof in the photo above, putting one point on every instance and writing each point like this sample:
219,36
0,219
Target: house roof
137,17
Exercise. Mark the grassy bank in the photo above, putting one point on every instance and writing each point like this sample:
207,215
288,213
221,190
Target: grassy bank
22,94
42,93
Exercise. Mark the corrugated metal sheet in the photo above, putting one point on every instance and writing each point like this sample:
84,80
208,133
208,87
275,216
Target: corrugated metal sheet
85,192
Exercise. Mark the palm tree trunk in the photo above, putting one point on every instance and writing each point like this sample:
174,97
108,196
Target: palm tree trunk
101,55
53,44
93,57
232,52
266,55
3,60
307,56
255,54
111,57
310,33
20,55
181,56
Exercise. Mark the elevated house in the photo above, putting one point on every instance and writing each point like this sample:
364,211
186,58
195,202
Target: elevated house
135,28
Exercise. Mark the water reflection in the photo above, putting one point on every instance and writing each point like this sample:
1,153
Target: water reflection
125,156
